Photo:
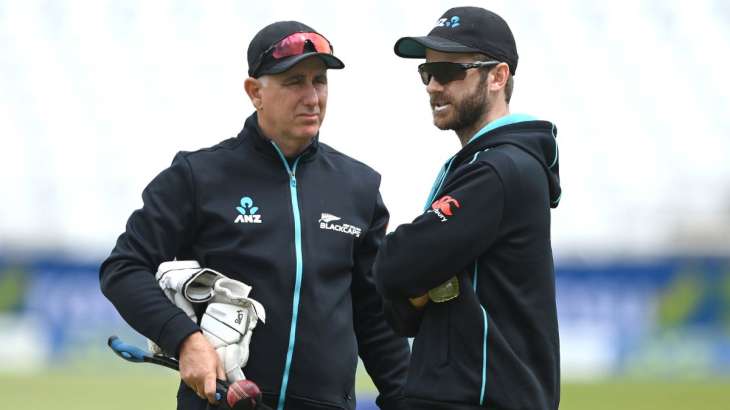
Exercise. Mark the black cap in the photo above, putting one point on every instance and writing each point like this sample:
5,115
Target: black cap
465,30
260,62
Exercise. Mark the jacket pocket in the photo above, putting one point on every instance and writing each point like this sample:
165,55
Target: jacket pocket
432,341
467,335
300,403
188,400
446,361
306,403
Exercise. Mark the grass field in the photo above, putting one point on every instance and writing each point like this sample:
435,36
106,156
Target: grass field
153,390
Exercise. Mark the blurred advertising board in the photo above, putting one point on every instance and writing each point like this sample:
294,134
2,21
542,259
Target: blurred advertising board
668,318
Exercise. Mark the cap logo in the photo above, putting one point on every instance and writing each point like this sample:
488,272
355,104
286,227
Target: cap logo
452,22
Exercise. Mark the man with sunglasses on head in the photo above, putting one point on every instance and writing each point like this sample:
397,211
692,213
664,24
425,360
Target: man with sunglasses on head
472,278
285,214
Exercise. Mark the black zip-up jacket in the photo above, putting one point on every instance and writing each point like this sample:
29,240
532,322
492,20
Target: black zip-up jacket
496,344
305,240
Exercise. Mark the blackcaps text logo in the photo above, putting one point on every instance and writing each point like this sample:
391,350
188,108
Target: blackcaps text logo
248,212
442,207
326,222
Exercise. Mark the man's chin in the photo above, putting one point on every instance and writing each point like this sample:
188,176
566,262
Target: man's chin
443,123
307,133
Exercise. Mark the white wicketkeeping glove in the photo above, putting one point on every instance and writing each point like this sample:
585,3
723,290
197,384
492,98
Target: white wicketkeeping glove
228,323
185,283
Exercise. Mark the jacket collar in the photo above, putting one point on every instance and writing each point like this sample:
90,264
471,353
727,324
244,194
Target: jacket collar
535,137
252,135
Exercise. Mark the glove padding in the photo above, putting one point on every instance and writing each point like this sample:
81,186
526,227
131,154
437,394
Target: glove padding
228,323
185,283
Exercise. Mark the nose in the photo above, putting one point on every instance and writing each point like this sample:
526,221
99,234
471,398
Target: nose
311,96
434,86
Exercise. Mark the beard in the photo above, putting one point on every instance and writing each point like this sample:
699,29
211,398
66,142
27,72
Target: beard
467,112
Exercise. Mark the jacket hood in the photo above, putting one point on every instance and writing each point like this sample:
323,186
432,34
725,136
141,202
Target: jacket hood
535,137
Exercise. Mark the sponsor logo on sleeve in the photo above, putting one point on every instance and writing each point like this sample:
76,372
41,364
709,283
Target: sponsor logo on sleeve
443,207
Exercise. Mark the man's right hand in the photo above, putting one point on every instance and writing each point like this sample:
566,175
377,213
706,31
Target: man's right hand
199,366
419,302
441,293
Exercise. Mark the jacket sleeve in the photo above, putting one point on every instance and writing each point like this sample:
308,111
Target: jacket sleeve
154,234
425,253
403,317
384,354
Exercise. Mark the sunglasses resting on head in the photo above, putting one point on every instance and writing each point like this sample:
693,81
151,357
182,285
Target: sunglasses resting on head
296,44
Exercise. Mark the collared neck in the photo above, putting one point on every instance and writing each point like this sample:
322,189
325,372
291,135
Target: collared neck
480,140
501,122
253,134
540,143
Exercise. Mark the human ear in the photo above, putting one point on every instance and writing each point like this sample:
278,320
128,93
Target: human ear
253,88
498,77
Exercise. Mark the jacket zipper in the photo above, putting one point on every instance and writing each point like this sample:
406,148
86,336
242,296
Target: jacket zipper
298,275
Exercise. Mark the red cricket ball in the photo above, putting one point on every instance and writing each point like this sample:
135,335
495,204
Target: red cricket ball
243,395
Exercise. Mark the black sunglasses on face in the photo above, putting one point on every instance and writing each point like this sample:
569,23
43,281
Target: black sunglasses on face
445,72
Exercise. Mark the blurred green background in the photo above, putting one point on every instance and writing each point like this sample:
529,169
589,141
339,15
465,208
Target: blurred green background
155,389
649,334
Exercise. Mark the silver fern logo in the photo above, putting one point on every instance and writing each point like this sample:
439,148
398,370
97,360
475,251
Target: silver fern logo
327,218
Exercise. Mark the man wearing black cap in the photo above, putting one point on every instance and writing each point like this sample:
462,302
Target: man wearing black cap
472,277
284,213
